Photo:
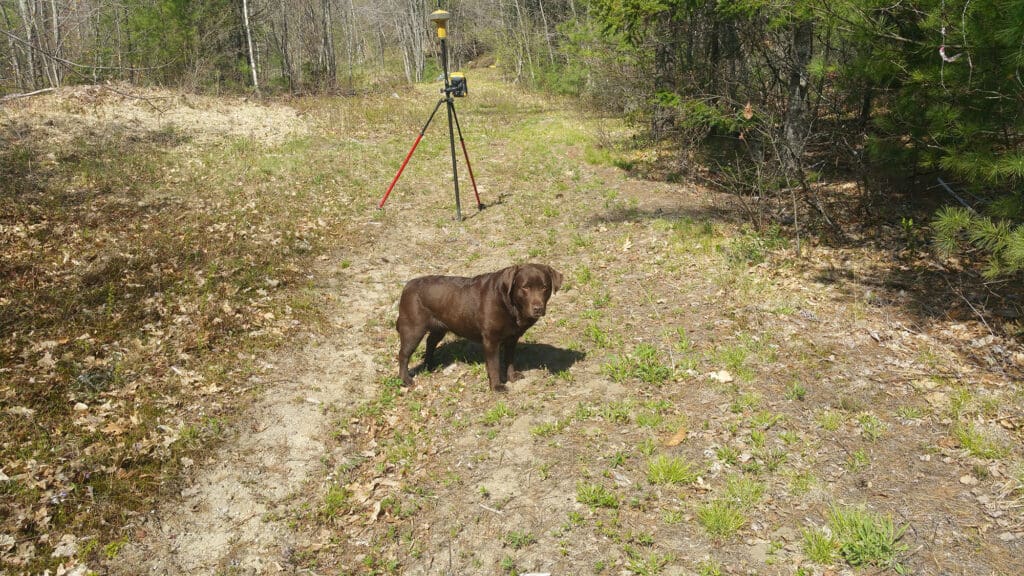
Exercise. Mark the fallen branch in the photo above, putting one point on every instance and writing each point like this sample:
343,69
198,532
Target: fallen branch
945,186
489,509
25,95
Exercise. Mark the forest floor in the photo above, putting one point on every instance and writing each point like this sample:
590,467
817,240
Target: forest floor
199,378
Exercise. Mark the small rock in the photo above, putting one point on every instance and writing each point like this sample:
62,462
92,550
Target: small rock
722,376
81,407
1007,536
968,480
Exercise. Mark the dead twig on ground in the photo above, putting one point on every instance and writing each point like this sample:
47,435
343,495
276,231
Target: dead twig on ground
26,94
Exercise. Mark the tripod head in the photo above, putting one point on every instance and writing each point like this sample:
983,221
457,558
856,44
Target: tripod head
457,87
454,83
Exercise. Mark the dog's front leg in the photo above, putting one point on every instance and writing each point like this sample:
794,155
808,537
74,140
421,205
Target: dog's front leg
509,354
491,350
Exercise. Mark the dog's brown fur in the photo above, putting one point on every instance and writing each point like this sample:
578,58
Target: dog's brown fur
494,309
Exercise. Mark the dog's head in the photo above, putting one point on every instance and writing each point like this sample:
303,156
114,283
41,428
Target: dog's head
527,287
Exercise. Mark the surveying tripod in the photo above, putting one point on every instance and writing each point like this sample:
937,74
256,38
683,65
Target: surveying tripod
454,86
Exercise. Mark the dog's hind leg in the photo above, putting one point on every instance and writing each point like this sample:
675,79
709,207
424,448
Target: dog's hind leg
433,339
410,339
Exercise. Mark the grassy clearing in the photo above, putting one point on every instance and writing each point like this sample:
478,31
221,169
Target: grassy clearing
625,448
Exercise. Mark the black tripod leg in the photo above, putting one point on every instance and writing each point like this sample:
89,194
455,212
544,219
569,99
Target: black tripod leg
409,155
455,169
479,204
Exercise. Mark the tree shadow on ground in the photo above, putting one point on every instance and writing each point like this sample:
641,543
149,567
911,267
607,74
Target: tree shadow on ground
875,250
668,213
529,356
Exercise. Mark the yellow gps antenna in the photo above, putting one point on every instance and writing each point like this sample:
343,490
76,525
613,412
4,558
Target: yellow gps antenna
454,86
440,19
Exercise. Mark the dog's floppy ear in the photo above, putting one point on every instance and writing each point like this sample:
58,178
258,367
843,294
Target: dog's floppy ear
556,278
506,281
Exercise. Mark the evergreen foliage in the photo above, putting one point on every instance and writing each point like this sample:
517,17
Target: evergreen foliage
920,86
997,237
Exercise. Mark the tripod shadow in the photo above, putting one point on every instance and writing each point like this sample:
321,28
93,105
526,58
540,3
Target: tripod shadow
479,209
529,356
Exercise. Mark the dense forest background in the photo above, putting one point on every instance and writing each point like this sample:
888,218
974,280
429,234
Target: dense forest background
883,91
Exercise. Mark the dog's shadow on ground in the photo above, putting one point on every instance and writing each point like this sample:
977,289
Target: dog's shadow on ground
529,356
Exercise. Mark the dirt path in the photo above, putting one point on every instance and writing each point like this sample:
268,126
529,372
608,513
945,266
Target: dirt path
231,517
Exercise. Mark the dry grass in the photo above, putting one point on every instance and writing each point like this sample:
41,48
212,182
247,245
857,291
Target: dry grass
146,271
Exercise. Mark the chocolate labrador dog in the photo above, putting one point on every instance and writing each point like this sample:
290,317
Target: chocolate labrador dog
494,309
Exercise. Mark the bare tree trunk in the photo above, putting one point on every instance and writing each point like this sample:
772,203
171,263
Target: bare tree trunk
796,123
15,65
43,49
403,43
27,22
284,47
350,43
547,35
58,48
331,64
380,42
410,26
523,40
248,40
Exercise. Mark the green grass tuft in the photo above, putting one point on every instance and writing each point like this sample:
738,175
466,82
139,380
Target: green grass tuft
497,413
596,496
743,491
979,443
643,364
517,540
721,518
819,546
673,471
866,538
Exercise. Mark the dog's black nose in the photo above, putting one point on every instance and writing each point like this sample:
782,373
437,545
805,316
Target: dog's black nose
538,311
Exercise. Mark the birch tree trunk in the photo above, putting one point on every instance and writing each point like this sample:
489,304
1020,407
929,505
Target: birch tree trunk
27,21
410,24
57,49
248,40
